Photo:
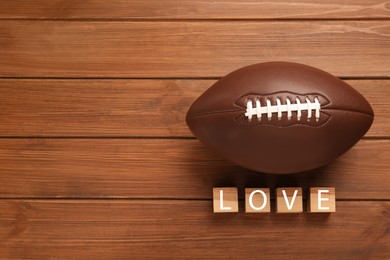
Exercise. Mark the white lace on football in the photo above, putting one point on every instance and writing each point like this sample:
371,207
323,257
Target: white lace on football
280,108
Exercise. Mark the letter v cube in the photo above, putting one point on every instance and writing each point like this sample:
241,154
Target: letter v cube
289,200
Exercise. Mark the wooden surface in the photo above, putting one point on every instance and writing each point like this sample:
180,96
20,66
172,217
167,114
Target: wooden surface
168,168
131,107
196,9
189,49
96,160
169,229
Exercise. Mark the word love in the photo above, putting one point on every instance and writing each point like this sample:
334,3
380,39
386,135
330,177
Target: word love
288,200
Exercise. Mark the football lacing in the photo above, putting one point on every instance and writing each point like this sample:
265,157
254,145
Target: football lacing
289,107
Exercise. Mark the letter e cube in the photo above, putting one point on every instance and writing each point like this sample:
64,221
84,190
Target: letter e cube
322,199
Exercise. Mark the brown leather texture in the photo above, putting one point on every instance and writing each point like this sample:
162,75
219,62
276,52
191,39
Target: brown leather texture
280,144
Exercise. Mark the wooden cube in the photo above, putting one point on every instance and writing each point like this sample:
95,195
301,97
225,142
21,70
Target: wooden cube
225,200
257,200
289,200
322,199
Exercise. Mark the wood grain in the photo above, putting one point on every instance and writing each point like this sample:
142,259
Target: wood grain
168,168
198,9
97,161
189,49
188,229
122,108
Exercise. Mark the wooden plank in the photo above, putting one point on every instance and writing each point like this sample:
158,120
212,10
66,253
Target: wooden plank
168,168
115,108
188,229
189,49
198,9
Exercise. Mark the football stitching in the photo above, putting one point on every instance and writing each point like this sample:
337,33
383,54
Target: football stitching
276,94
270,109
283,126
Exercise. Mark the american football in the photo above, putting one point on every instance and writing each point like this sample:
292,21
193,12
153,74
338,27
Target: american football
280,117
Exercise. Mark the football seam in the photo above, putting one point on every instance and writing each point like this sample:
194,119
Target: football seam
323,106
243,110
274,125
217,112
350,110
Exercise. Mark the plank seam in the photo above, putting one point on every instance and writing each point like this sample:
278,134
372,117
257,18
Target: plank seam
376,138
151,199
101,137
164,78
178,20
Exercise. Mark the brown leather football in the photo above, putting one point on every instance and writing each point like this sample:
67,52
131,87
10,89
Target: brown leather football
280,117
